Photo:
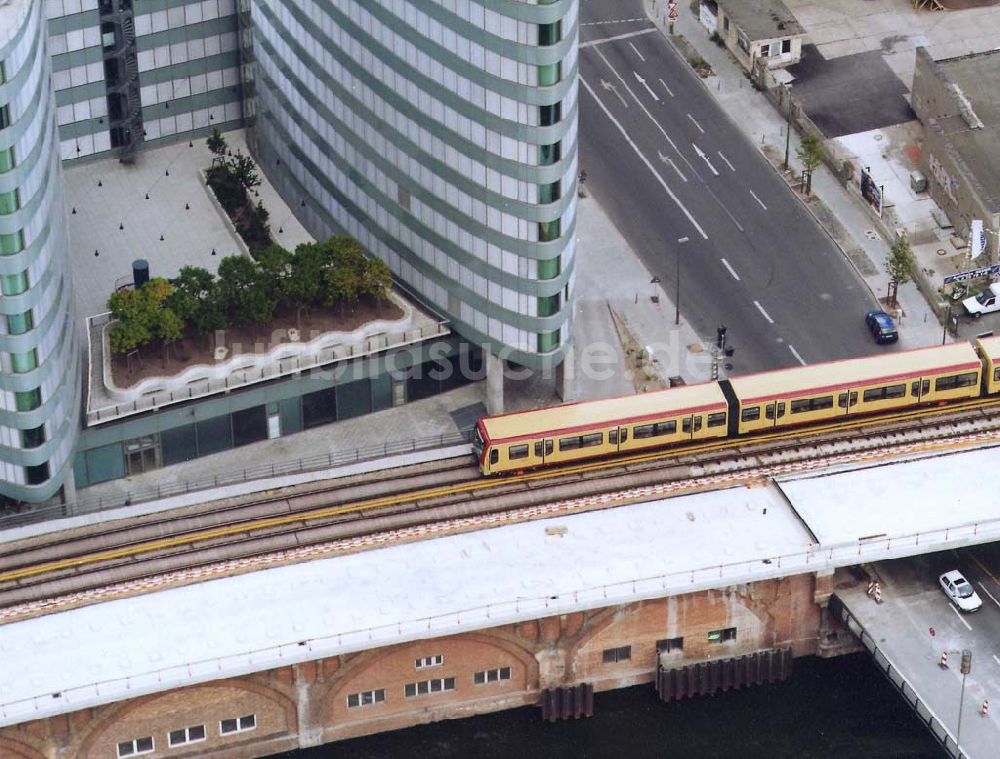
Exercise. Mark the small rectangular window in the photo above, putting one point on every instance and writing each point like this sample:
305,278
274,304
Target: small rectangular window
569,443
518,452
670,645
411,690
193,734
722,636
366,698
751,414
136,746
238,724
717,420
786,46
996,374
491,675
613,437
642,431
615,655
592,439
494,455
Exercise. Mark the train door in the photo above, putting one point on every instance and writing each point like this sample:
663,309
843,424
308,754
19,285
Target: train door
774,412
690,425
847,400
919,388
543,449
618,437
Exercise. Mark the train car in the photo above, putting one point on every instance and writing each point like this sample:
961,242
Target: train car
559,434
988,349
810,394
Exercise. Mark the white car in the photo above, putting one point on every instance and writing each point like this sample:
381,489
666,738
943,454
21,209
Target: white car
960,591
986,302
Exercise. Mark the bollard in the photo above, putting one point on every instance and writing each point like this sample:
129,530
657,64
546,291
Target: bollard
985,709
871,587
944,660
878,593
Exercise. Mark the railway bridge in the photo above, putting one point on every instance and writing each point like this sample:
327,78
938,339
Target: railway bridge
485,609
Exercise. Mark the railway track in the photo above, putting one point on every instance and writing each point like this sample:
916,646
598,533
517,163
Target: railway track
84,559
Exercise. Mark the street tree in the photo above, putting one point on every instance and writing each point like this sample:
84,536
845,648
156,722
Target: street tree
899,265
810,152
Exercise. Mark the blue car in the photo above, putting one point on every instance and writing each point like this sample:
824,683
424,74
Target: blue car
882,327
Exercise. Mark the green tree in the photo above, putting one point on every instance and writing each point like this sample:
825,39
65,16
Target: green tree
306,284
169,328
217,143
243,292
376,281
139,315
245,170
195,299
810,153
899,265
342,287
274,265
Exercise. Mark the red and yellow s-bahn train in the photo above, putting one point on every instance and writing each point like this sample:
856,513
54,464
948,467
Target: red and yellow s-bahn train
737,406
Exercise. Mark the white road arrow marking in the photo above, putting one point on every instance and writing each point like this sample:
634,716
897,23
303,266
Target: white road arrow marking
667,159
702,155
648,88
669,91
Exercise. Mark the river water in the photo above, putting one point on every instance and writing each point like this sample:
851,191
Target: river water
830,709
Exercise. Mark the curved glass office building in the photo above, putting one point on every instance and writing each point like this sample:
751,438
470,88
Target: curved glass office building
440,133
39,358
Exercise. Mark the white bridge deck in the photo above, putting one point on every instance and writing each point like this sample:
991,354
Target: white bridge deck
739,532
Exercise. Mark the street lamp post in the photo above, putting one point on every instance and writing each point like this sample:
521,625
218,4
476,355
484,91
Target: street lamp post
788,124
965,668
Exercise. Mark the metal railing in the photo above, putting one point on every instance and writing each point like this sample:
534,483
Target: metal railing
249,474
908,692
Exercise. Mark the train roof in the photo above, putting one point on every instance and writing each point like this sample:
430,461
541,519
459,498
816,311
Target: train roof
990,347
707,395
855,372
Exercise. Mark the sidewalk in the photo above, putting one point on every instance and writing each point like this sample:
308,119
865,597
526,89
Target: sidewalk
836,209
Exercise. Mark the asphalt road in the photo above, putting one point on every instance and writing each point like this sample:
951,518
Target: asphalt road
678,178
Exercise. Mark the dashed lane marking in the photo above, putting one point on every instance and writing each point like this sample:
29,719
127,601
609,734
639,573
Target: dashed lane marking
763,312
758,200
636,50
960,617
696,123
796,354
731,269
988,593
669,91
731,167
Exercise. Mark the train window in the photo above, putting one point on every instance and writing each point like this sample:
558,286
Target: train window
494,455
569,443
518,452
594,438
717,420
642,430
624,434
842,400
811,404
752,414
686,425
781,409
664,428
769,411
548,448
881,393
956,380
996,374
613,437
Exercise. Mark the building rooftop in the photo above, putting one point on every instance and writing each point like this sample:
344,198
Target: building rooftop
976,77
762,19
107,194
349,599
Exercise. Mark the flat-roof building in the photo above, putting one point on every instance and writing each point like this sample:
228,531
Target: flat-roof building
958,102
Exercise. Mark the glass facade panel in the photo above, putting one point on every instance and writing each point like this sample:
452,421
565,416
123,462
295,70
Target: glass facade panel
549,230
23,362
550,74
549,154
548,341
37,474
423,382
14,284
549,34
548,306
179,444
33,438
381,392
549,193
214,435
354,399
104,463
249,425
319,408
6,159
290,411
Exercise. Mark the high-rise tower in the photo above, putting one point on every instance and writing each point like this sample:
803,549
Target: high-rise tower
39,359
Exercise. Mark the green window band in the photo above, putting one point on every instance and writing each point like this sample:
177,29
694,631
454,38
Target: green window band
548,341
549,268
11,244
24,362
18,324
549,74
549,230
14,284
549,34
28,400
6,159
9,202
33,438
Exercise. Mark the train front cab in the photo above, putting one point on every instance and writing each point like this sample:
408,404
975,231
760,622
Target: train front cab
988,349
